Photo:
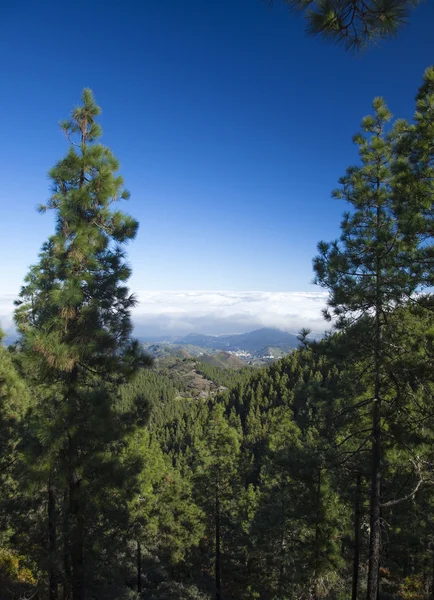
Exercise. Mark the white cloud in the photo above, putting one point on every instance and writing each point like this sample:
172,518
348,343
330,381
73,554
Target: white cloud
181,312
178,312
6,311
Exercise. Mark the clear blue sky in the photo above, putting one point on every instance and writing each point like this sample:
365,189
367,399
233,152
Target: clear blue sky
232,127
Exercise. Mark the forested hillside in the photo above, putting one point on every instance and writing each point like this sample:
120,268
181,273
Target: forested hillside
310,478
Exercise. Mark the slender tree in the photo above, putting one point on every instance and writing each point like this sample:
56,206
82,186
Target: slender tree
74,321
367,274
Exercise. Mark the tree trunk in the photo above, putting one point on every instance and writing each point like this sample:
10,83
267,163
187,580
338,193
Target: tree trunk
317,532
66,549
139,567
76,534
282,542
75,516
52,542
426,561
375,502
375,521
432,579
217,543
76,539
356,557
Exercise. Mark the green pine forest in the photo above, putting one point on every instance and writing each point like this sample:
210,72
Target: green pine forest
311,478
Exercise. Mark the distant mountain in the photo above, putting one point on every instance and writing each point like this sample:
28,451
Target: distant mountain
254,348
275,352
215,342
252,342
225,360
156,339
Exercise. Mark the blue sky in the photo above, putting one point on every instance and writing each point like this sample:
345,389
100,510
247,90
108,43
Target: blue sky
232,127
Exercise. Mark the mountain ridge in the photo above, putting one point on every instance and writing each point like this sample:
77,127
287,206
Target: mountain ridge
251,341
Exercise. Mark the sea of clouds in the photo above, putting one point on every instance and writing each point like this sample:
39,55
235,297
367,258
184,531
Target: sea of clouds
181,312
6,311
171,313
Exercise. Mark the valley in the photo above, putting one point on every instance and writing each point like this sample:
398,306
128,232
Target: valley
254,348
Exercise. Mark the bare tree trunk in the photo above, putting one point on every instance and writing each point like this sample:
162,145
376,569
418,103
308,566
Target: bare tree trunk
52,542
356,556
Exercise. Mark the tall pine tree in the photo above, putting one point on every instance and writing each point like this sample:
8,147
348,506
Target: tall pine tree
367,274
74,321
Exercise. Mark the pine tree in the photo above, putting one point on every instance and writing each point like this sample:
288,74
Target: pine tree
367,275
15,402
415,176
216,484
354,23
164,519
74,321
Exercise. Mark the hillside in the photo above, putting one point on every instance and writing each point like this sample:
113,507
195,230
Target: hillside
201,377
224,360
